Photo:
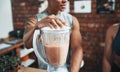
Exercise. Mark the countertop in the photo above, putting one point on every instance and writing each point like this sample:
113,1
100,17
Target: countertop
30,69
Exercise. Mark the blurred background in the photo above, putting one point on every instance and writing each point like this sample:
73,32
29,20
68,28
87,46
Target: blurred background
14,13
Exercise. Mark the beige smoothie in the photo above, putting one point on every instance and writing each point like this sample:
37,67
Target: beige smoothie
56,55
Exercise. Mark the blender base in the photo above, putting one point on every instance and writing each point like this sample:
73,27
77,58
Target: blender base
51,68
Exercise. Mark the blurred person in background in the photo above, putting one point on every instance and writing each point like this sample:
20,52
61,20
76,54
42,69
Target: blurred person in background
111,57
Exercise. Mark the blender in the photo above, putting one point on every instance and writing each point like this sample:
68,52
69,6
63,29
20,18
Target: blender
51,47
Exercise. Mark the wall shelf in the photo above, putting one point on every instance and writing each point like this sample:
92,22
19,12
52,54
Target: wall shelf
27,62
24,52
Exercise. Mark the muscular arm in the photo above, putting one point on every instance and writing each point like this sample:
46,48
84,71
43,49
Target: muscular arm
77,52
107,51
30,27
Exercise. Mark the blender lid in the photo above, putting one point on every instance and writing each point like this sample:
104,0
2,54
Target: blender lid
57,29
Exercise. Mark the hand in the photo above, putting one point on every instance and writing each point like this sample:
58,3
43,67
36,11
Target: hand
51,21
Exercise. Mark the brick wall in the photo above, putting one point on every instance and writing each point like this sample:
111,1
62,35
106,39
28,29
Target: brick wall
93,28
23,9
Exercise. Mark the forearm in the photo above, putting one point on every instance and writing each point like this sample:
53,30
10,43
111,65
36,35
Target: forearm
106,66
28,38
76,60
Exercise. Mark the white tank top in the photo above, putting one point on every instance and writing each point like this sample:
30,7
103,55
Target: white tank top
63,16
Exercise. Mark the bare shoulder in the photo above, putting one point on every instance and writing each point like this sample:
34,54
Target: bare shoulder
75,18
112,30
114,27
75,22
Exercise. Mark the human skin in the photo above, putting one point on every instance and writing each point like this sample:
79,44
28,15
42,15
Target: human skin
55,7
110,56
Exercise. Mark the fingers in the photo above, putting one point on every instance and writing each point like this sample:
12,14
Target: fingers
56,22
50,25
52,21
60,23
31,20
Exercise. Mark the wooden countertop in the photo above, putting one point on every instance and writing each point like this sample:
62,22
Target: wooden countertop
11,47
30,69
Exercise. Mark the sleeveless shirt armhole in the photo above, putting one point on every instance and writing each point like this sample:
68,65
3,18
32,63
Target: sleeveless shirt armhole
72,20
